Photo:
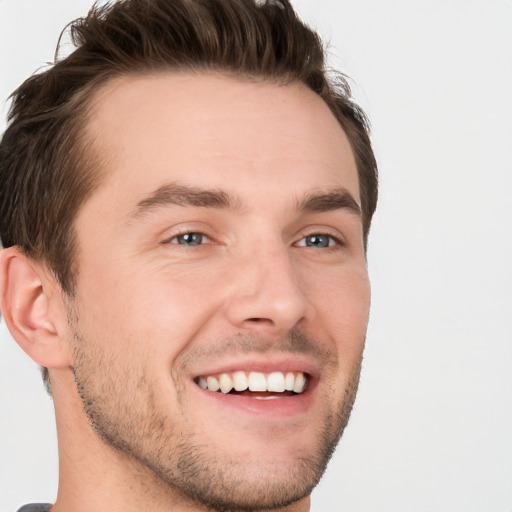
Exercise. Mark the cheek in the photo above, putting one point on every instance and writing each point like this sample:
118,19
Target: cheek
342,303
159,308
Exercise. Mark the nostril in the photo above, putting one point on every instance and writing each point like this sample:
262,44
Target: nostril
259,320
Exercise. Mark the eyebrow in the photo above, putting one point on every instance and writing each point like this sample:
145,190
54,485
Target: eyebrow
337,199
184,195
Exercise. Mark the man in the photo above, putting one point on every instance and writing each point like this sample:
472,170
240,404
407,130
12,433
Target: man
185,206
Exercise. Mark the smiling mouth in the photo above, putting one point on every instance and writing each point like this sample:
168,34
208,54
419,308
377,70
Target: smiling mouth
262,386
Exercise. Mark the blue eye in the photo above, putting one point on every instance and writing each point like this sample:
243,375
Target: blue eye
189,239
318,241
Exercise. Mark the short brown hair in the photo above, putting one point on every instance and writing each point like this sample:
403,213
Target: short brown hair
47,169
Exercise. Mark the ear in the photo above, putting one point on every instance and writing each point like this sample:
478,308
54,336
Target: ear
32,305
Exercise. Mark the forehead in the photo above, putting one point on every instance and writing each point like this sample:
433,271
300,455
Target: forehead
216,131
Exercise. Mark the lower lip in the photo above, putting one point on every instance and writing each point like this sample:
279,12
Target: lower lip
276,407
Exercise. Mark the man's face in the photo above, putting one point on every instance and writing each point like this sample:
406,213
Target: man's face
223,247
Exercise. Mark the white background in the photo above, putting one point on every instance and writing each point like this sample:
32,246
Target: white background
432,426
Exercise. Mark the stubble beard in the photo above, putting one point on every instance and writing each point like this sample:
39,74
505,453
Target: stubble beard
129,421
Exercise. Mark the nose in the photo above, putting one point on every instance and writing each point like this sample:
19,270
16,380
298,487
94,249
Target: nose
266,293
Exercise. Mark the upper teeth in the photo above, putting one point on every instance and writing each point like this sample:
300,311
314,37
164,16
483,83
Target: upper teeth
277,382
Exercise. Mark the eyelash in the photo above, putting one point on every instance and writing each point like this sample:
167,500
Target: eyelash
330,237
301,243
185,233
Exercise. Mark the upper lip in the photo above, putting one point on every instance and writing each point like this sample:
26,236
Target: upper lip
264,364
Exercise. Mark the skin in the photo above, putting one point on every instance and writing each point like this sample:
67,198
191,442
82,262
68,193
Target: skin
151,313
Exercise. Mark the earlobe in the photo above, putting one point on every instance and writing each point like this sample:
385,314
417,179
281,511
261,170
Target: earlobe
26,306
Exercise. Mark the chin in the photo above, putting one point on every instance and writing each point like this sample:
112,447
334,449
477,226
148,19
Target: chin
250,485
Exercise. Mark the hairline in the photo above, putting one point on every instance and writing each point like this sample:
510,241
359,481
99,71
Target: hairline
92,158
88,99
